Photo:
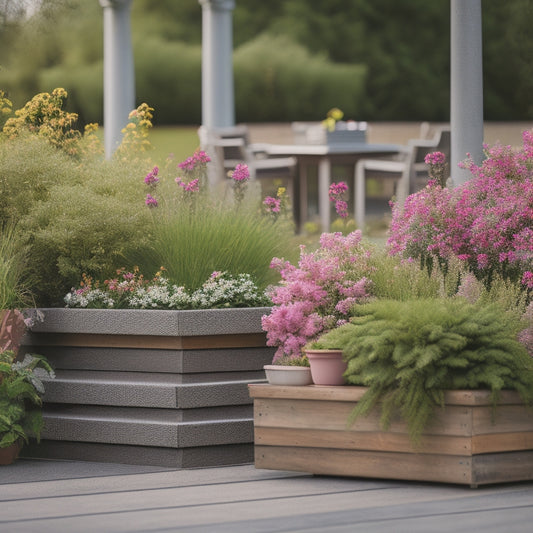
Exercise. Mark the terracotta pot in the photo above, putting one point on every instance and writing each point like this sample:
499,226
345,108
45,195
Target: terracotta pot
288,375
327,366
8,455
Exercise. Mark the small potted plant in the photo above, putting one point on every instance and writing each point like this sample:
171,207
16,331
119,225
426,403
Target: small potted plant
287,370
327,364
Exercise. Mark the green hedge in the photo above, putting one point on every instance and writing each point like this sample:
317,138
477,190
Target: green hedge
279,80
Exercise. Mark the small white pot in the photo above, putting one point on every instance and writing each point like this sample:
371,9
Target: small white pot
288,375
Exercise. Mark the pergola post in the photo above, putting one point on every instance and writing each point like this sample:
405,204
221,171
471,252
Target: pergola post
119,75
218,107
466,105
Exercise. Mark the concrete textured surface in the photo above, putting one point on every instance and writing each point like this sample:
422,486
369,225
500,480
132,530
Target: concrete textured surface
151,321
53,496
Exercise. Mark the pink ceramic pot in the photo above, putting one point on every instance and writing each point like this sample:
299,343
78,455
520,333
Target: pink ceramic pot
327,366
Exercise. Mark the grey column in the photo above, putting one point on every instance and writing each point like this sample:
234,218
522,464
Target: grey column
119,75
218,107
466,105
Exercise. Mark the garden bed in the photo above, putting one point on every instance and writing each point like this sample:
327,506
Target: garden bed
305,429
150,387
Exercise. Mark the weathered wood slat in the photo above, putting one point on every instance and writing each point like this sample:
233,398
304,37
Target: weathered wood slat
368,440
384,465
502,419
354,394
502,467
502,442
455,420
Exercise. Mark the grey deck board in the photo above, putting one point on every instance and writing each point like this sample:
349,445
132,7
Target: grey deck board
81,496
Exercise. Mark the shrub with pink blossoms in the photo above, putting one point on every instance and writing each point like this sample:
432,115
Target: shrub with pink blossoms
317,294
487,222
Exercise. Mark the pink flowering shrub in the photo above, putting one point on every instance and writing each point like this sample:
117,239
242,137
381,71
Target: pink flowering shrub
487,222
317,294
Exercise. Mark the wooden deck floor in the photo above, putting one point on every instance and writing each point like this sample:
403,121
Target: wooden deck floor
54,496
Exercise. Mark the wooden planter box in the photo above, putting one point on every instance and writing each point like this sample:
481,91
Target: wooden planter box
153,387
305,429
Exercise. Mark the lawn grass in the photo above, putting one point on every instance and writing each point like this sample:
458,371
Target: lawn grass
181,141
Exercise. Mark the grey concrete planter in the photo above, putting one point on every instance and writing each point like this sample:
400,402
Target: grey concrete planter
150,387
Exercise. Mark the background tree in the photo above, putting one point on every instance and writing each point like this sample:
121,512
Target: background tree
394,55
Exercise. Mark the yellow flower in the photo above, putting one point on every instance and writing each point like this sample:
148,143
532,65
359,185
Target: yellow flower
334,114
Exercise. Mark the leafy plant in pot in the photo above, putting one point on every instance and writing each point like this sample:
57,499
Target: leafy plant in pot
21,392
289,370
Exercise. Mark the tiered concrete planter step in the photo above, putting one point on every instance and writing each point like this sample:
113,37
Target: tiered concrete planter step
150,387
305,429
137,389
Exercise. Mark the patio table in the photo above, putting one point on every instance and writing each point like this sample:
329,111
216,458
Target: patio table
325,156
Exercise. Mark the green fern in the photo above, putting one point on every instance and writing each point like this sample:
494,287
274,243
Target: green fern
408,352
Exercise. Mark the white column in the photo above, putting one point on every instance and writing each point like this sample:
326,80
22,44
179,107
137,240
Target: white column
119,75
218,106
466,105
324,181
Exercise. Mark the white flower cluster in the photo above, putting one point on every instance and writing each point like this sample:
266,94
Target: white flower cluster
90,298
220,290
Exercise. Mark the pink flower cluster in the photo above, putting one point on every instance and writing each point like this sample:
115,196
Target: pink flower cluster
150,201
435,158
191,186
273,205
241,173
437,168
337,193
317,294
125,281
240,177
151,178
487,222
198,159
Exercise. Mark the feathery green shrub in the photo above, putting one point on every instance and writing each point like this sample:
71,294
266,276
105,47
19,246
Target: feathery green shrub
409,352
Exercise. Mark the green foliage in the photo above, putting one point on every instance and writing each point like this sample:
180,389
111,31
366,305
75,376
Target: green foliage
287,360
171,79
12,267
277,79
29,168
409,352
21,390
397,279
85,226
83,83
407,50
191,244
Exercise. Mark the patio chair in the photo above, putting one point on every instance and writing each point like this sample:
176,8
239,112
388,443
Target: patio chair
409,171
231,146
